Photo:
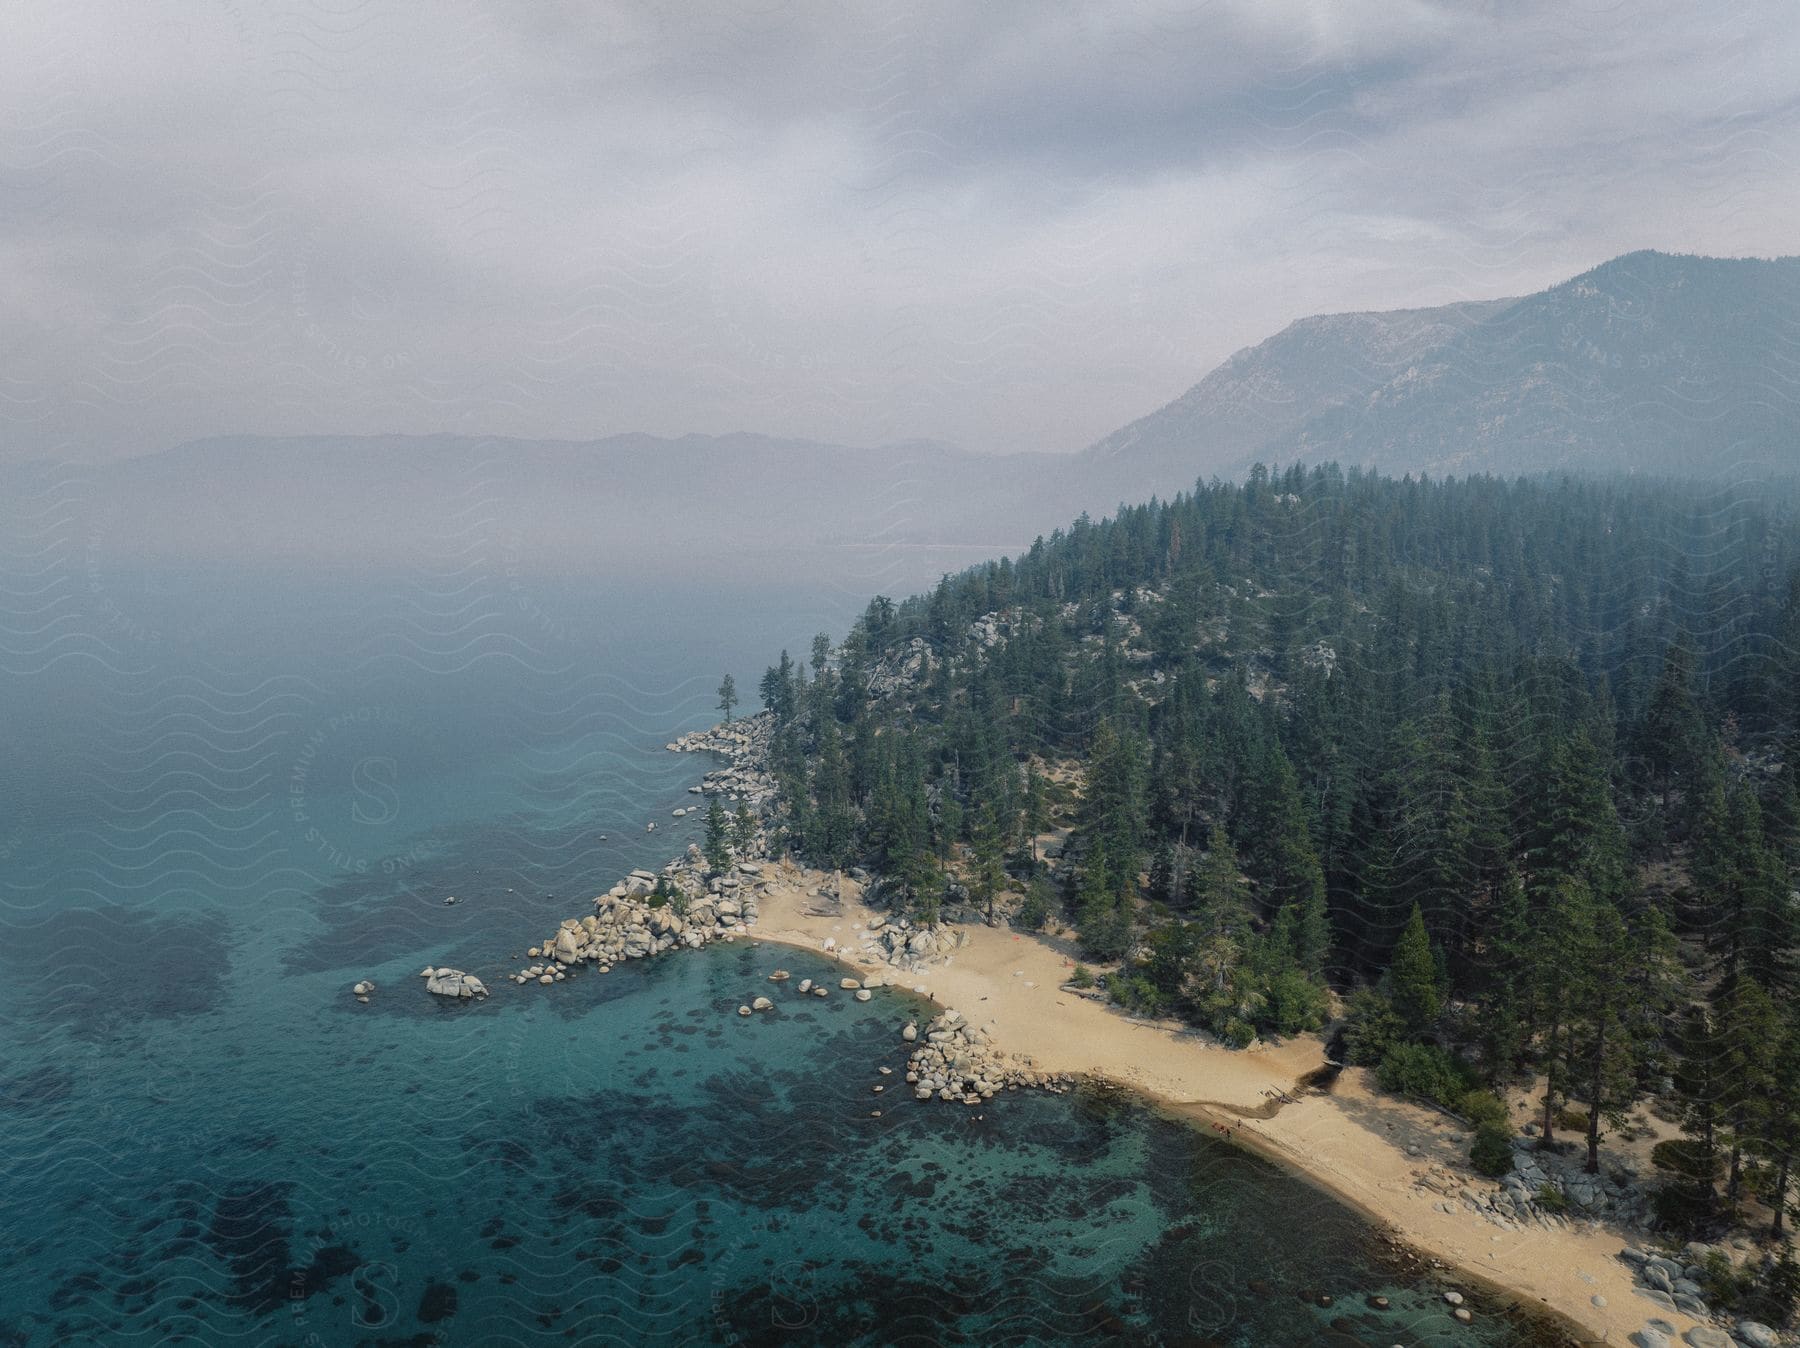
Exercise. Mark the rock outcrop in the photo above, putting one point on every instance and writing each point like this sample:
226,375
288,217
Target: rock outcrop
633,920
453,983
956,1062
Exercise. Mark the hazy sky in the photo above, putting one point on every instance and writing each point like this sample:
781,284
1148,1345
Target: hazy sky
1012,226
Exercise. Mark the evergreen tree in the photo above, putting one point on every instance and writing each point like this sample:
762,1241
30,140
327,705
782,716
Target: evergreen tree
1750,1035
987,874
1672,737
1781,1134
1699,1094
1218,896
727,696
743,830
1504,1016
718,855
1556,979
1413,979
1611,1029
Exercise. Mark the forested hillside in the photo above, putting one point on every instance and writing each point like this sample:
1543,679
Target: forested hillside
1504,771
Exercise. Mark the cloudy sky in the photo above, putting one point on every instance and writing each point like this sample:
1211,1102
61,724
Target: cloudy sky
1011,226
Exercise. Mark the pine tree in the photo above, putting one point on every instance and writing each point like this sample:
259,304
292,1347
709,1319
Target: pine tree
1781,1135
1217,894
727,696
743,830
1672,736
1282,855
1413,978
1608,1036
718,856
1503,1014
1556,980
1699,1094
987,873
1750,1033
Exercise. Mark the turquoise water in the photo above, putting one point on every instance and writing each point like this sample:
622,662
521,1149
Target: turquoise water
228,797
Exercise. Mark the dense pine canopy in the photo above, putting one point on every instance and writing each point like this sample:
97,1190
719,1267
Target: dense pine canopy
1510,765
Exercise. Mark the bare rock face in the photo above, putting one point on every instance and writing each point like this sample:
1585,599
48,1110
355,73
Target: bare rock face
453,983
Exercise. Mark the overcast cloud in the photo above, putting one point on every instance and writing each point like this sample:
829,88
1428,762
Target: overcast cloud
1011,226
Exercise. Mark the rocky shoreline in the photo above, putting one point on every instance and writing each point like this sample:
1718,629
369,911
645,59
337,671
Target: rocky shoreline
686,905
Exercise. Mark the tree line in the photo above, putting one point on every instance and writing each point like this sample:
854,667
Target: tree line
1507,767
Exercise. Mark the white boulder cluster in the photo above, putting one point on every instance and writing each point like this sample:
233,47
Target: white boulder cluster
1674,1283
452,983
746,743
625,926
1544,1190
902,668
911,948
956,1062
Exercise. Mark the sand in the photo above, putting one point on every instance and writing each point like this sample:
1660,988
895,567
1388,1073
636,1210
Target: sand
1351,1141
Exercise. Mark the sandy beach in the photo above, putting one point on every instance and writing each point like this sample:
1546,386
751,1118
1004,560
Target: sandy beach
1369,1150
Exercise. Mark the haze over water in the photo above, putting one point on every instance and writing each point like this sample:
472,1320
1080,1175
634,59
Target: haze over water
232,795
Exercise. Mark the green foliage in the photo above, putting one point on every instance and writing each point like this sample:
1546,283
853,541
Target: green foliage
1371,1028
1137,993
1413,978
716,848
1682,1209
1491,1151
1686,1159
1082,977
1427,1071
1775,1294
1237,1033
728,696
743,829
1385,730
1293,1003
1481,1107
1035,910
1551,1199
1217,893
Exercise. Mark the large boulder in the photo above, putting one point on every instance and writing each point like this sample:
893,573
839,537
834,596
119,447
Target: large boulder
454,983
1756,1334
1706,1336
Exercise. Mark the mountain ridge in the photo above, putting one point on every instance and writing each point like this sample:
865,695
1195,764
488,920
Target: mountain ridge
1649,361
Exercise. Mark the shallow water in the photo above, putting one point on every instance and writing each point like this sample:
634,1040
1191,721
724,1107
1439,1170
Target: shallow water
208,838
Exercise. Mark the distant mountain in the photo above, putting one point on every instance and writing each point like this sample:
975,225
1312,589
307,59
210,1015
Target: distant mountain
1268,392
1648,363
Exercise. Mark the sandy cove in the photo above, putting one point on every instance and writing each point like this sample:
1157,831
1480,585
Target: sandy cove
1352,1142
